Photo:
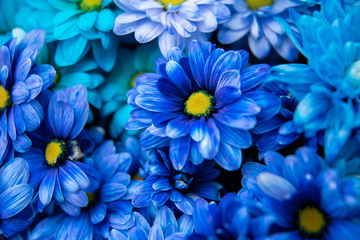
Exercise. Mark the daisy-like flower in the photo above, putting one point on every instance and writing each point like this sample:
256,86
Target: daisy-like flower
120,80
307,199
16,212
79,25
109,203
233,218
164,226
166,186
20,83
202,105
257,20
55,170
330,83
174,22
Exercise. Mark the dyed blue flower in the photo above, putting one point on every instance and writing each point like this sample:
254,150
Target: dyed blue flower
58,145
202,105
164,226
233,218
20,82
79,25
174,22
166,186
120,80
308,199
109,205
257,19
329,84
16,212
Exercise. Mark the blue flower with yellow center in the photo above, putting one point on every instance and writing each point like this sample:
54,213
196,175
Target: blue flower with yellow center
202,105
257,19
330,83
174,22
58,146
307,199
109,205
79,25
166,186
16,212
21,81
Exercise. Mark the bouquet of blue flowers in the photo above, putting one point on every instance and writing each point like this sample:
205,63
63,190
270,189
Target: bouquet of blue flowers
180,119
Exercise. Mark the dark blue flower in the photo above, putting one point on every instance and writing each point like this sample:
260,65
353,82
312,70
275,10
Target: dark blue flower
330,83
16,212
20,83
202,105
233,218
308,199
109,205
58,144
166,186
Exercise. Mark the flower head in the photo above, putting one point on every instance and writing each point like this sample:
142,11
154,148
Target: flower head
202,105
21,81
307,199
174,22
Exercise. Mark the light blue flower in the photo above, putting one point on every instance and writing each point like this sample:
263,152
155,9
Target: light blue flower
120,80
79,25
174,22
257,20
328,88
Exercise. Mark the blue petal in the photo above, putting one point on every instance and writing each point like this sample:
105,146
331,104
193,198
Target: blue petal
228,157
209,145
67,182
197,129
156,233
13,173
203,220
198,55
253,76
162,184
15,199
47,186
178,76
178,127
77,174
137,233
159,199
111,192
98,212
179,151
275,186
186,205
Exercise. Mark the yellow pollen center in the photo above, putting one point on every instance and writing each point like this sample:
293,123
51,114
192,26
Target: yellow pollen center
53,152
199,104
4,98
311,221
132,83
173,2
256,4
90,5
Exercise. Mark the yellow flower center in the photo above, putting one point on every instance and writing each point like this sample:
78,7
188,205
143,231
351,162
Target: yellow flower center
199,104
90,5
5,99
55,151
311,221
137,177
256,4
132,83
172,2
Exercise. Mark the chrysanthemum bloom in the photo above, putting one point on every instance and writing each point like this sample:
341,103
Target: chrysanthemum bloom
166,186
233,218
16,212
109,200
202,105
58,144
20,83
164,226
120,80
174,22
328,88
307,199
257,20
79,25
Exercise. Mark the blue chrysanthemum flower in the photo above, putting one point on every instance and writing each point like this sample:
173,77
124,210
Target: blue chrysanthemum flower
330,83
164,226
308,199
79,25
120,80
16,212
20,83
109,205
174,22
166,186
202,105
233,218
257,19
58,144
